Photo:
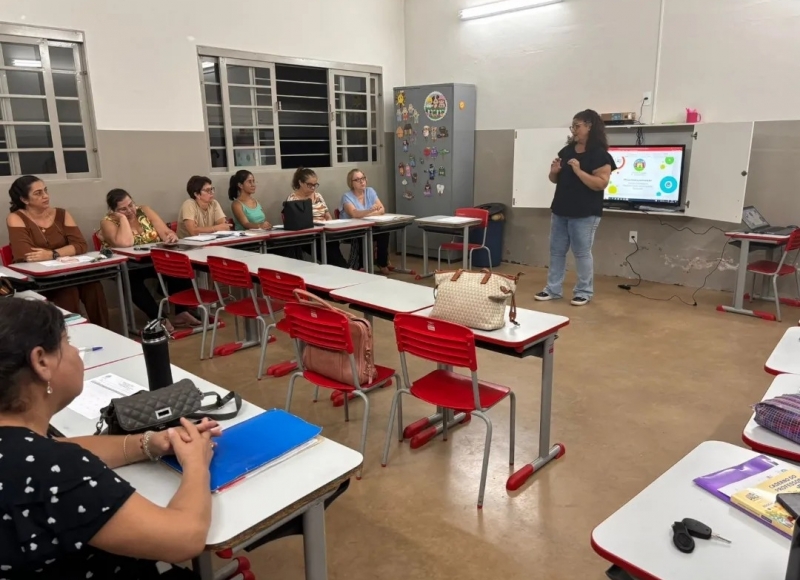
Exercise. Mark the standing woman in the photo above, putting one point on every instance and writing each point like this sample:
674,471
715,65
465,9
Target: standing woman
581,173
360,202
38,232
304,185
247,212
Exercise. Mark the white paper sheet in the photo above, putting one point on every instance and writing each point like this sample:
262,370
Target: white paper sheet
454,220
381,218
201,238
68,260
97,394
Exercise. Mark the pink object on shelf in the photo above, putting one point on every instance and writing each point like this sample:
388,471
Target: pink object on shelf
693,116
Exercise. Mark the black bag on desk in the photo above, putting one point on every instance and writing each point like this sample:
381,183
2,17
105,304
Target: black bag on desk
163,408
298,215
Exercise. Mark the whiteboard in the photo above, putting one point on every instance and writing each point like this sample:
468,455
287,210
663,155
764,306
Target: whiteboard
720,160
534,150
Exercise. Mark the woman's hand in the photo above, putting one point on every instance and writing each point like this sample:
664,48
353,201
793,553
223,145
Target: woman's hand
555,166
377,209
575,164
161,444
190,446
170,237
38,255
226,227
265,226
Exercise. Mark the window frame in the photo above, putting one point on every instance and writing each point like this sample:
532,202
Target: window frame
45,39
224,57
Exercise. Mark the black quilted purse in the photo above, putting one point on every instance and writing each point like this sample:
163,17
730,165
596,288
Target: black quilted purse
163,408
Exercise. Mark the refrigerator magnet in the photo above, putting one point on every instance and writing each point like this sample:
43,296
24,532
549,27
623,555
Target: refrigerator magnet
443,133
399,115
427,191
405,113
431,172
442,171
445,152
426,131
405,146
434,152
400,99
426,152
412,161
408,129
414,177
400,134
408,171
408,195
402,169
440,188
404,182
416,117
435,106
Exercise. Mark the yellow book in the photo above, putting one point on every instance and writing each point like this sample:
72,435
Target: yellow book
760,499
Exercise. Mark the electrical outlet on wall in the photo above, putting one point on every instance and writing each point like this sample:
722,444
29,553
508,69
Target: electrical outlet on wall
633,237
647,98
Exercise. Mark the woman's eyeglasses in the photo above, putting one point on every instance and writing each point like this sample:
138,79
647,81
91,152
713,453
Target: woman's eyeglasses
362,178
311,185
208,190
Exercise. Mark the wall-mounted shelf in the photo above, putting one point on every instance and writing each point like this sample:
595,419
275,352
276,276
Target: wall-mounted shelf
646,126
640,212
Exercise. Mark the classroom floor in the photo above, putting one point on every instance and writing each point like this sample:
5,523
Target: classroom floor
638,384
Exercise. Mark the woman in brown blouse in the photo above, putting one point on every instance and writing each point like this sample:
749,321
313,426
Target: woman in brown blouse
38,232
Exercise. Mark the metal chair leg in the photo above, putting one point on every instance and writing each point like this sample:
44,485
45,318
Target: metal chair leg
204,310
364,425
797,282
488,256
161,306
395,407
346,397
753,287
487,447
777,298
264,343
291,389
439,259
399,410
512,427
214,332
316,393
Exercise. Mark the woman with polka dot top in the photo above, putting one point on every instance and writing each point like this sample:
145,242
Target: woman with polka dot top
64,513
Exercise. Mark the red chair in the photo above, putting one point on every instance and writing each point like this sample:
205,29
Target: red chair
458,246
236,274
328,328
775,270
278,290
7,255
449,345
173,226
98,245
177,265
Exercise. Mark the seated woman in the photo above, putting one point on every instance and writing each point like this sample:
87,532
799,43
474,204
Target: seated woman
247,212
202,213
127,225
64,512
362,201
38,232
304,185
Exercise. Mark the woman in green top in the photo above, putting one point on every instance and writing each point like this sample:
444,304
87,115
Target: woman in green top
247,212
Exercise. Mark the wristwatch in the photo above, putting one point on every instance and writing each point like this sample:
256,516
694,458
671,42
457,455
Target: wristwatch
55,254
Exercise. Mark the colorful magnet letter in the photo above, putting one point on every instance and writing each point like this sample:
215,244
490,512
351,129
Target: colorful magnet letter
414,177
402,169
434,152
405,113
426,131
435,106
399,132
427,191
408,171
400,99
426,152
405,146
440,188
443,133
408,195
431,172
442,172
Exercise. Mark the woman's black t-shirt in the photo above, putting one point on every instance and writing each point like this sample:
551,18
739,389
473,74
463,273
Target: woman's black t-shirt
54,497
573,198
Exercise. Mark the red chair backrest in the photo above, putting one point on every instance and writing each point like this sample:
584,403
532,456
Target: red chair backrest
436,340
6,255
474,212
98,245
794,241
319,326
230,272
336,214
173,226
174,264
279,286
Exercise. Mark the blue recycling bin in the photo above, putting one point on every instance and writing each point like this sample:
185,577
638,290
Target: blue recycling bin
494,237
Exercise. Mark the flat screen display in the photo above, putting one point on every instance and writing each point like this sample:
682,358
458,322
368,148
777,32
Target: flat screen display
646,174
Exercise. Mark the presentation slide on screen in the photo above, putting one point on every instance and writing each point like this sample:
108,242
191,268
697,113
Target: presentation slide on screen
646,174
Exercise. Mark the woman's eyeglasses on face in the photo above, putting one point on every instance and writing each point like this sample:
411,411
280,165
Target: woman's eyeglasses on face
311,185
359,179
208,190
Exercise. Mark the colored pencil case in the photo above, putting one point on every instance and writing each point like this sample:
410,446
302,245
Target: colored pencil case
780,415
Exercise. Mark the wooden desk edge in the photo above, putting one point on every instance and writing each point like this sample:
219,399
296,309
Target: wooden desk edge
284,513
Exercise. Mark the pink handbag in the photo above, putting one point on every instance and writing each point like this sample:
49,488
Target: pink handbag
335,365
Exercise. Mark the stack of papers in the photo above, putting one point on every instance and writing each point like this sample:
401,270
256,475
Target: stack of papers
382,218
201,238
69,260
455,220
97,394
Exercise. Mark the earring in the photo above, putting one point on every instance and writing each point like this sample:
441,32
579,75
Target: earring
49,388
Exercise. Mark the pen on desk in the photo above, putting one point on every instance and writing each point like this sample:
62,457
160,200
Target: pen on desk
89,348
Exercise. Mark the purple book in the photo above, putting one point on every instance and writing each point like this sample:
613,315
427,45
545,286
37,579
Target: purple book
726,482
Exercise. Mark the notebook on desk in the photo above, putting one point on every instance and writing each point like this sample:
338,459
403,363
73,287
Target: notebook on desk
255,445
758,224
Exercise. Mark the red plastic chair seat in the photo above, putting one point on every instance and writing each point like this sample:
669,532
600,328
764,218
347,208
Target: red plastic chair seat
454,391
283,325
383,373
188,297
246,309
459,246
768,267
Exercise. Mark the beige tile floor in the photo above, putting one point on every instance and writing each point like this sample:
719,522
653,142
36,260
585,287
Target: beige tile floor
638,384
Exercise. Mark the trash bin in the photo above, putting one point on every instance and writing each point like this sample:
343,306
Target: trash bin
494,237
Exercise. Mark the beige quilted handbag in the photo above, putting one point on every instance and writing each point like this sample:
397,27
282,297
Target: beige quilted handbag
474,299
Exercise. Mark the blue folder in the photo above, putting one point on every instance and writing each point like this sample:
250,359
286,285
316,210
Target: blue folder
253,444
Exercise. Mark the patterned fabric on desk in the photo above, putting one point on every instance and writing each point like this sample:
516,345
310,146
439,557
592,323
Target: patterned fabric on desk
780,415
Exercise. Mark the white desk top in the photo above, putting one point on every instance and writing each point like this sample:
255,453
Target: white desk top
639,534
73,424
533,327
390,218
9,273
253,260
758,237
785,357
447,221
345,224
327,277
765,441
246,505
115,346
37,270
388,295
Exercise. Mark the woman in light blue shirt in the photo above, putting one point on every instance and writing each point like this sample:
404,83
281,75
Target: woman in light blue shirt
360,202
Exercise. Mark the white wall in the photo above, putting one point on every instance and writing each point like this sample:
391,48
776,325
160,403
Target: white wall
731,59
142,55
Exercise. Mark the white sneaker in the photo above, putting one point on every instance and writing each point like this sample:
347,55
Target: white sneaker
579,301
542,296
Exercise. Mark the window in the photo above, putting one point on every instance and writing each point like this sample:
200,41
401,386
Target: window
45,125
272,112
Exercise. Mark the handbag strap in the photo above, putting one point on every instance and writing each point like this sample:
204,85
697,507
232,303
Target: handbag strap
306,297
218,404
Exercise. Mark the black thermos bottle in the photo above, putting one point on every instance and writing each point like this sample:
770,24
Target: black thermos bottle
155,345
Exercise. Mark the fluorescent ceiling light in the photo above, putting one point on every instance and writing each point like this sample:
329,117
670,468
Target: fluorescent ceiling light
502,7
24,62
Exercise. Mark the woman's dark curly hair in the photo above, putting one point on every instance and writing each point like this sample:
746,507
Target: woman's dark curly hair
597,130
